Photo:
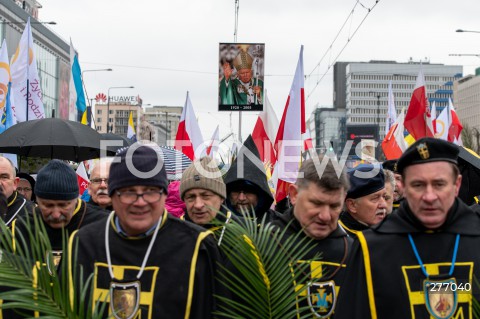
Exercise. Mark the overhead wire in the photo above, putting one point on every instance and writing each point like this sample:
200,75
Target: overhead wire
369,10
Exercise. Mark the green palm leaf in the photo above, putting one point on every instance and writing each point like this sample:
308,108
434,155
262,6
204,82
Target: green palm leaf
31,288
261,273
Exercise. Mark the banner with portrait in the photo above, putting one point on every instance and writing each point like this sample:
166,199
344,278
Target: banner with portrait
241,76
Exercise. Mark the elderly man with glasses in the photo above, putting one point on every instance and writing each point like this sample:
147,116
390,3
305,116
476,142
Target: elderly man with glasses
163,266
98,187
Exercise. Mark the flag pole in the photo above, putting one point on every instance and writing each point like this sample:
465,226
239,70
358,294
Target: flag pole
235,41
28,69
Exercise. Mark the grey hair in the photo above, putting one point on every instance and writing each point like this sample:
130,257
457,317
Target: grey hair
389,177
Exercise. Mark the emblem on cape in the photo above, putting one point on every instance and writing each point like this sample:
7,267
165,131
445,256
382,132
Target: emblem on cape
422,149
53,261
322,298
441,297
124,299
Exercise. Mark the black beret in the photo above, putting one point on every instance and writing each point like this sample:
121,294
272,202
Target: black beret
426,150
391,165
365,179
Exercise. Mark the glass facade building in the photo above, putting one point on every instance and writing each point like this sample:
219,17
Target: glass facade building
52,54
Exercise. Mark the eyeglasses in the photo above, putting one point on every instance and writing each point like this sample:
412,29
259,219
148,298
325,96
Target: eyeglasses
132,197
24,189
99,180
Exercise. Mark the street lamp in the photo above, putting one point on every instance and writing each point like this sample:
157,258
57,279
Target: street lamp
109,128
31,22
461,30
85,90
464,54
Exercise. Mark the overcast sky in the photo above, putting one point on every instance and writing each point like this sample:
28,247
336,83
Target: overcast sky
166,48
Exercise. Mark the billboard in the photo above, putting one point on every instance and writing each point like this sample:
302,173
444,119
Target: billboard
365,136
241,76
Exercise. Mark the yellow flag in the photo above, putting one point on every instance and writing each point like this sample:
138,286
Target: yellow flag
84,118
409,139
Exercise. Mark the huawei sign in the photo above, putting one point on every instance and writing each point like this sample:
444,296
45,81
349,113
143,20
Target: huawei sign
101,97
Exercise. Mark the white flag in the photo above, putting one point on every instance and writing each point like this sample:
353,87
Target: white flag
442,124
391,112
27,93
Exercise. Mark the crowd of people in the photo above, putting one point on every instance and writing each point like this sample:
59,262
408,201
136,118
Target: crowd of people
394,240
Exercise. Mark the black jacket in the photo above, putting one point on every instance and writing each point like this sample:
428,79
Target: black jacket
254,173
334,251
83,215
350,224
90,202
384,278
179,276
17,206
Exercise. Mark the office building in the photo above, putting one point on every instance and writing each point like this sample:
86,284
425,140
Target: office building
366,88
52,54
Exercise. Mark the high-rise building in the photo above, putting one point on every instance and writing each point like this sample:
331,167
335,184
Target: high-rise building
326,131
165,119
118,117
51,52
467,100
366,88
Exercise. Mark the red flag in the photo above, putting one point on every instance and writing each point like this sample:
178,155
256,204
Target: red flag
189,137
393,145
455,128
288,143
265,131
82,178
214,143
307,141
418,121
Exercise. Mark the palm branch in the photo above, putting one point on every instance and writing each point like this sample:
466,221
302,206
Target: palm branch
31,286
261,271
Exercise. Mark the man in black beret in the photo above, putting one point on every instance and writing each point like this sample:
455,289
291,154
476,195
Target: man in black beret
163,266
421,261
365,203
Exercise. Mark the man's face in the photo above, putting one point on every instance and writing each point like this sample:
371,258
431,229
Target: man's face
7,180
57,213
202,205
140,216
370,209
243,200
398,192
316,209
25,188
430,190
389,197
245,75
98,187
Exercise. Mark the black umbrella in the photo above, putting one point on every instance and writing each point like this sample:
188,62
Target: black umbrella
118,138
469,165
52,138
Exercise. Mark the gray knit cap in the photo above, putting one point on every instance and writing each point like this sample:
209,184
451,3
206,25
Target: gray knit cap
203,173
57,181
